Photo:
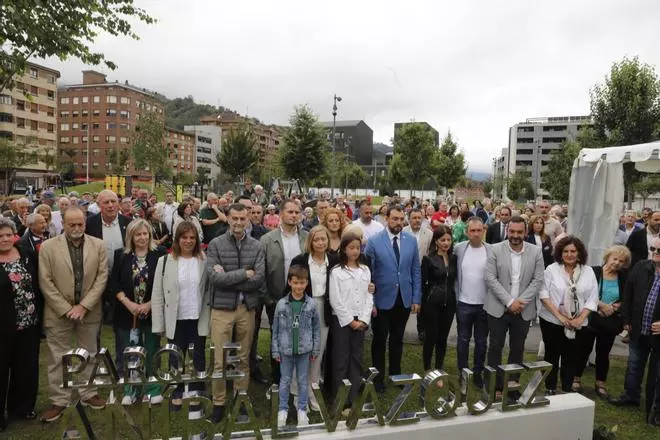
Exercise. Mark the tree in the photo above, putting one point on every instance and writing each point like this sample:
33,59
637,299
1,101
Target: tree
560,167
239,153
301,153
12,158
626,110
118,160
414,143
488,187
520,186
450,164
148,146
186,179
647,186
202,175
352,176
60,28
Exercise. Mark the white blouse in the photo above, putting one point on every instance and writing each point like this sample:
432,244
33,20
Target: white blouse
188,288
556,283
319,276
349,294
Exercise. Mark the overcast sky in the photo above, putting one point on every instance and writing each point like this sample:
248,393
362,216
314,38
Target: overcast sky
473,67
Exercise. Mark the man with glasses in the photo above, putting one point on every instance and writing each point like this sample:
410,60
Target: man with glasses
640,241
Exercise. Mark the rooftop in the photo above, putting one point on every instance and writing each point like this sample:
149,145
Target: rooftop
48,69
352,123
557,119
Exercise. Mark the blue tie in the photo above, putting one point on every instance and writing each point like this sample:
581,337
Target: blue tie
395,246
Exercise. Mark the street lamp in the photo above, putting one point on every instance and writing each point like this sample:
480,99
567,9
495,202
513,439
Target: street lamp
334,128
538,172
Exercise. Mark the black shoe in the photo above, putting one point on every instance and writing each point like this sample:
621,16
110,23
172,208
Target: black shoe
259,378
31,415
243,415
218,414
380,387
654,419
623,401
3,424
420,336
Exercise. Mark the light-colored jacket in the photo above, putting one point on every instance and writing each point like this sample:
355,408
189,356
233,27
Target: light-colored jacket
165,298
459,251
424,241
56,280
498,279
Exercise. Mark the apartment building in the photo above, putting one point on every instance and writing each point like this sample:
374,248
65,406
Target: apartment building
207,146
28,119
99,116
180,146
355,139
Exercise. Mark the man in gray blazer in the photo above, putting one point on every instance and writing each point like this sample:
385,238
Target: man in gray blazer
471,292
514,276
423,235
280,246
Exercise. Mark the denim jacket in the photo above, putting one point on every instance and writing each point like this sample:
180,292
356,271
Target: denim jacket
309,330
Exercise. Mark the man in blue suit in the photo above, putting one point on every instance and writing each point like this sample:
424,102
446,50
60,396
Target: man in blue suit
396,272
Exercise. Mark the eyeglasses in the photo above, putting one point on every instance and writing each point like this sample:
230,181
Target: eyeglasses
654,250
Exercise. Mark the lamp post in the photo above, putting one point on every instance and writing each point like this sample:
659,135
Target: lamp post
334,129
538,172
89,125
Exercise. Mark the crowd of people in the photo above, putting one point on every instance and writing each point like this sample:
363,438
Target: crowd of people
325,271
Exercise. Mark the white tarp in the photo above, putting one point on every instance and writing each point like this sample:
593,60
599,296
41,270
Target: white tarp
597,192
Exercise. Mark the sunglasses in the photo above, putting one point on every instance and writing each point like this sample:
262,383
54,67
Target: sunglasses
654,250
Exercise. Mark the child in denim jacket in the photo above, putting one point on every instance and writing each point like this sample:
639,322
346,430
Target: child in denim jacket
296,340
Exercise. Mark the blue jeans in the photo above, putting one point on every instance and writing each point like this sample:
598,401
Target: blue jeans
638,354
471,317
287,363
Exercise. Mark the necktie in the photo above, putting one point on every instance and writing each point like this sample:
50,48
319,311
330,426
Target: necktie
395,246
505,232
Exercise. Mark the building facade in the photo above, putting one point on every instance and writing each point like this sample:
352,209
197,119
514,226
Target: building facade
207,147
97,117
355,139
180,147
28,119
436,135
532,142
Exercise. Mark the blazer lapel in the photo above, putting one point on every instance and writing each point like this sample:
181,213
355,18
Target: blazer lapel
64,252
388,245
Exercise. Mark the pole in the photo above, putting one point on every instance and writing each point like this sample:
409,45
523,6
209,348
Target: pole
87,167
334,130
538,173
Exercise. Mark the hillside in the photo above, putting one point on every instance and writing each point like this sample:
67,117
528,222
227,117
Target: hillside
185,111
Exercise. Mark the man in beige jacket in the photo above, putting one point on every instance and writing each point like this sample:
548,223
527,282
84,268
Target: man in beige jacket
73,272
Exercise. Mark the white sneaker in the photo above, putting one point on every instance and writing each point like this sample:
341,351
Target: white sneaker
157,399
314,405
302,418
281,418
128,400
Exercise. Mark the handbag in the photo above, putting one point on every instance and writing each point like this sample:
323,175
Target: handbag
612,325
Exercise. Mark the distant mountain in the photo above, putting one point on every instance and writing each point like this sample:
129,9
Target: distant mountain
185,111
478,175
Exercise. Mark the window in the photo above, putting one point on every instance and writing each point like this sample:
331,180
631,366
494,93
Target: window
85,99
96,100
83,139
123,139
557,140
95,165
76,100
51,112
75,113
124,126
96,126
111,99
64,127
111,139
137,103
75,126
111,112
125,100
96,112
51,128
85,113
34,108
525,129
5,99
64,115
34,73
124,114
64,139
64,100
525,140
110,125
6,117
83,152
51,79
96,152
34,91
96,139
20,105
74,139
20,122
34,125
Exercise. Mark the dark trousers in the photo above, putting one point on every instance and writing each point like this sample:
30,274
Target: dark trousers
517,328
585,339
390,323
19,371
639,350
254,364
559,349
420,323
185,334
437,323
469,318
347,357
653,384
274,365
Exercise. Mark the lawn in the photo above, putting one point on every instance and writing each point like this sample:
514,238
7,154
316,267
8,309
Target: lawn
631,424
95,187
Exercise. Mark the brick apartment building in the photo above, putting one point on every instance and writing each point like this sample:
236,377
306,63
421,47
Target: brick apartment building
107,112
31,122
182,152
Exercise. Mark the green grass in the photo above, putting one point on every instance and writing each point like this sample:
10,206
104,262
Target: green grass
631,424
95,187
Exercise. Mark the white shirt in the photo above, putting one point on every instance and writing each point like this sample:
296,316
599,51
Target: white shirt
166,216
291,246
112,239
537,239
349,294
473,281
93,208
369,230
516,262
650,238
318,274
555,284
188,288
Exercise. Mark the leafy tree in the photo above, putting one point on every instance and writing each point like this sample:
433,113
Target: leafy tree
647,186
394,177
202,175
301,152
498,186
488,187
186,179
450,164
118,160
12,158
520,186
352,175
180,112
60,28
556,179
239,153
148,146
414,143
626,110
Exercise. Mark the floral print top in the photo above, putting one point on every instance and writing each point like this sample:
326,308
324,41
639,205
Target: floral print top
25,300
140,278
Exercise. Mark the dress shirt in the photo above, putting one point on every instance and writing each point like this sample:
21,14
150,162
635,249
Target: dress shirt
111,238
556,283
516,263
538,240
291,246
318,274
349,294
168,212
650,237
77,257
472,270
188,288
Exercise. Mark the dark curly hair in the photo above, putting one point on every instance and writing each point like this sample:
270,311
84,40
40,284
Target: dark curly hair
571,239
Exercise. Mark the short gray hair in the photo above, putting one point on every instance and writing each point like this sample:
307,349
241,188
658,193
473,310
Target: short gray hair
258,188
8,223
32,218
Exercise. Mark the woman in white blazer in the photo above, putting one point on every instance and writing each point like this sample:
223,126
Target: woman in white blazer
181,300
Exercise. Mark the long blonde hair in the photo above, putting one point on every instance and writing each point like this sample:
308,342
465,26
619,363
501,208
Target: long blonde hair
131,230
